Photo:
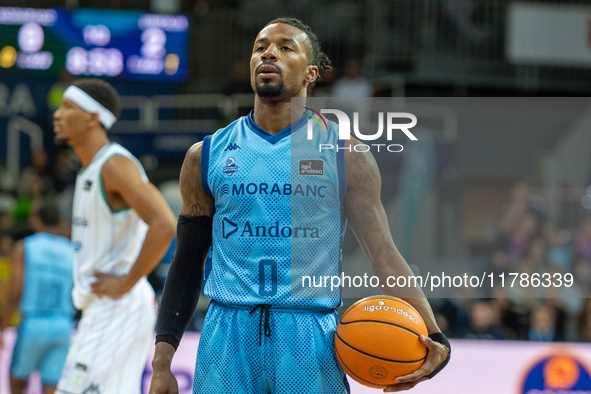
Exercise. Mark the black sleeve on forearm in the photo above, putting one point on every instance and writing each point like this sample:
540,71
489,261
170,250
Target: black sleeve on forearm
184,279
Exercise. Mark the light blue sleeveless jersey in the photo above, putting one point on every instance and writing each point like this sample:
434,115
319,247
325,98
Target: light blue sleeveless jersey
279,221
48,279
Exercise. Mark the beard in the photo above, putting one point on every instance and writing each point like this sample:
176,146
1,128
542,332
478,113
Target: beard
270,90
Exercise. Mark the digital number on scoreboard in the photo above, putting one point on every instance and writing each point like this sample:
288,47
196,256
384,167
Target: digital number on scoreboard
95,42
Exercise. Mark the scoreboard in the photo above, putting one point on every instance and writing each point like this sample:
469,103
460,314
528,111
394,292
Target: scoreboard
94,42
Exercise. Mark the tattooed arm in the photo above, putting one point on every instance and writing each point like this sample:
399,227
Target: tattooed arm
196,202
369,223
185,277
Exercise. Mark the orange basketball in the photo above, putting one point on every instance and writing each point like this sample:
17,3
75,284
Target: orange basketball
377,340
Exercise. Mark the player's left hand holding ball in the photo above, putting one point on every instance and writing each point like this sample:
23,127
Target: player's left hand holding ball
111,286
437,354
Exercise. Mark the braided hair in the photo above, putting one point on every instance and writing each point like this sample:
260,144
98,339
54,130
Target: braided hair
317,58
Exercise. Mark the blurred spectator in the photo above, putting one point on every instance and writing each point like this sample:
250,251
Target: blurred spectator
585,328
453,314
584,322
7,205
512,315
522,203
535,257
35,182
516,242
583,244
29,199
64,179
535,265
582,272
499,262
514,210
543,324
5,248
64,174
353,83
38,168
559,255
442,323
485,322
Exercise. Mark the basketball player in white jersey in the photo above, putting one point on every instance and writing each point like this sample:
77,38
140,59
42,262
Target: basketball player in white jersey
121,228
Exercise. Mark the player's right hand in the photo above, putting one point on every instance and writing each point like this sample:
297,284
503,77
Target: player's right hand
113,286
164,382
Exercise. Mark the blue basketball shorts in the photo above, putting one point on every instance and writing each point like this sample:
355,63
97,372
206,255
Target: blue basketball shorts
41,345
296,357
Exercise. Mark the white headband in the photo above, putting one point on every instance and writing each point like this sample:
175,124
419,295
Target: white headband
87,103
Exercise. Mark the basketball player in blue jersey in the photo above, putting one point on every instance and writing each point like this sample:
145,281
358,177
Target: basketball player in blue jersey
40,286
246,193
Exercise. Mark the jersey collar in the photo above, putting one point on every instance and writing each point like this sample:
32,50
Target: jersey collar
279,136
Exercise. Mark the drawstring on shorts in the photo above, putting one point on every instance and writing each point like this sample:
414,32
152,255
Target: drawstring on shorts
267,328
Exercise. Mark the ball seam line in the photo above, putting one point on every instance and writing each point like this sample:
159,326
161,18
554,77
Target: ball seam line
377,357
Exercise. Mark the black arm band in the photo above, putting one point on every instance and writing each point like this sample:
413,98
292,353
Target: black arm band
439,337
184,279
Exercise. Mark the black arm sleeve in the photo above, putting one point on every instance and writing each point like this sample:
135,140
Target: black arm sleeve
184,279
439,337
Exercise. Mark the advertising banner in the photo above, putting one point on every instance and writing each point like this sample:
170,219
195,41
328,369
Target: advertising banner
484,367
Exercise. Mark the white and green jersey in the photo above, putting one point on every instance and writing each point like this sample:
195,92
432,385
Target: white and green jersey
105,241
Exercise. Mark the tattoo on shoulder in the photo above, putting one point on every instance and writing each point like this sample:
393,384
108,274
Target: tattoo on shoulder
196,161
367,172
363,178
195,201
184,178
191,169
359,159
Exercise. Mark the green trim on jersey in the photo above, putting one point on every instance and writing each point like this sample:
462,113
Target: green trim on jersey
103,189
